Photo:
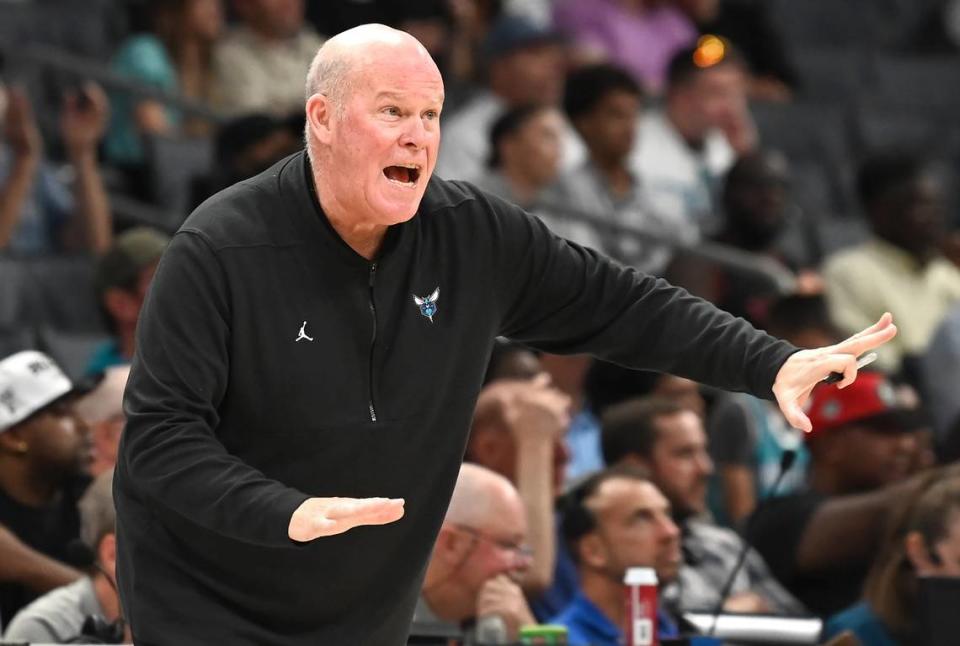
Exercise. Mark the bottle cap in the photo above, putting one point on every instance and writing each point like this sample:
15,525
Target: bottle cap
640,576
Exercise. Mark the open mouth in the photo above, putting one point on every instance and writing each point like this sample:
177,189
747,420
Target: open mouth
405,175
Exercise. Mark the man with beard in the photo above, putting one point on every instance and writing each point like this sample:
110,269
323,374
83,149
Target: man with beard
669,441
45,452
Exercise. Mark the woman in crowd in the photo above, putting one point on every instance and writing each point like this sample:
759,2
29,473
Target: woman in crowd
174,56
923,540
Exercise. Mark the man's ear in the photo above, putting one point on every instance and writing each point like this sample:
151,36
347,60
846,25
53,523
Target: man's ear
13,441
919,556
484,447
320,116
450,545
121,304
592,551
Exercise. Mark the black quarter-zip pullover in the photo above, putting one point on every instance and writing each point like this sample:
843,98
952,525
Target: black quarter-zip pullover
274,363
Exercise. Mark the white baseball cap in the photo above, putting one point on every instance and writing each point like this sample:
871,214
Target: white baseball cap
29,382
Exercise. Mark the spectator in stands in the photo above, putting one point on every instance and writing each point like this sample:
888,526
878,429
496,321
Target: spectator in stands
900,269
517,431
259,66
757,219
121,280
639,35
749,25
820,542
615,520
247,146
45,452
603,102
686,147
670,443
526,146
524,65
39,212
748,436
479,555
59,615
174,57
923,540
102,411
452,32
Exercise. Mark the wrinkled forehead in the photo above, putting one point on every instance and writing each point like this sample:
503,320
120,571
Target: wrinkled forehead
399,73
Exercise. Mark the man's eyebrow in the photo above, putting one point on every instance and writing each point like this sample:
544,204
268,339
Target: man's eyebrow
397,96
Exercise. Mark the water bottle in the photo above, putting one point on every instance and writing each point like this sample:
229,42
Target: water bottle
640,592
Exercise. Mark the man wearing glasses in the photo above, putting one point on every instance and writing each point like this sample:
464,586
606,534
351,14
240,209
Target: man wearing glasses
479,556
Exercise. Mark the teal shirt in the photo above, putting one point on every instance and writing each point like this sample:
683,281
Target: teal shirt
106,355
861,620
143,59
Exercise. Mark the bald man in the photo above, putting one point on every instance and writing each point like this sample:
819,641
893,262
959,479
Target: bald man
479,555
311,349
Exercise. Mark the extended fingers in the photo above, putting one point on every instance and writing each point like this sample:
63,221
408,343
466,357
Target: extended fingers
361,508
868,339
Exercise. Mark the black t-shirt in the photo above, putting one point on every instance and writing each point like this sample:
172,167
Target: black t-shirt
775,530
48,529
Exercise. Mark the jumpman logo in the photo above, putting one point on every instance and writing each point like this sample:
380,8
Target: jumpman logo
303,335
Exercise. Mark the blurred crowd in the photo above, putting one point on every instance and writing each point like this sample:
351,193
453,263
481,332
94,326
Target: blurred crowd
793,162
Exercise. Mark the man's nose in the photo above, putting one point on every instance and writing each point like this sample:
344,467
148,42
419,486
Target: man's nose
705,463
414,135
668,529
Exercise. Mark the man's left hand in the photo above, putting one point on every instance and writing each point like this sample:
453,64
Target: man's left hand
805,369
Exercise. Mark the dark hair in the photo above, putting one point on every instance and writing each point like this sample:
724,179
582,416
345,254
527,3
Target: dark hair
791,315
608,384
588,86
578,520
630,428
684,66
884,172
509,123
503,350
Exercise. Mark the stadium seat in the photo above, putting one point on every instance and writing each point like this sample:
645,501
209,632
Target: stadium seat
61,293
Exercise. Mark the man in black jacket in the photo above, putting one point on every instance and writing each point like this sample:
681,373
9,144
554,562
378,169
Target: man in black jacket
316,337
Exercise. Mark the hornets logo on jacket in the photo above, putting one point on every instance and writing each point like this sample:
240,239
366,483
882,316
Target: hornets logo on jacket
428,305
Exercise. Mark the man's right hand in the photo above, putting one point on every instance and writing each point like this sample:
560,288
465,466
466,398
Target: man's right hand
534,411
318,517
501,596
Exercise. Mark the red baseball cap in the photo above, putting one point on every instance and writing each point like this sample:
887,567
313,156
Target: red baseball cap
870,401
